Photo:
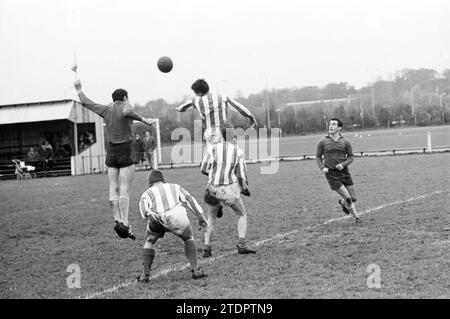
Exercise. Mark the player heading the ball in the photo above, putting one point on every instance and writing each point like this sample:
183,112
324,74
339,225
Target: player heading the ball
213,109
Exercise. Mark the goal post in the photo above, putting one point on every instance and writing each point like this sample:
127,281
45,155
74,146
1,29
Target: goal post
157,152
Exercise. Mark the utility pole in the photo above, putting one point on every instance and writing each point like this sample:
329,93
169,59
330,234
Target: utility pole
267,106
442,107
295,112
279,120
413,109
373,104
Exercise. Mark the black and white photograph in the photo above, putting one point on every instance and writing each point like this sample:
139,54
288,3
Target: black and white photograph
225,155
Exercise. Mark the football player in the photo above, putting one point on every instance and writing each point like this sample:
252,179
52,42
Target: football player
224,164
337,156
120,156
161,206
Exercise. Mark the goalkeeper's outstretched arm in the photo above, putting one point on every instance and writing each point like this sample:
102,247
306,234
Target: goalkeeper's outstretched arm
88,103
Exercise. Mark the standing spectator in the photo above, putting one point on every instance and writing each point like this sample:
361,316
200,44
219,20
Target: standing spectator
65,142
149,147
55,139
139,149
42,139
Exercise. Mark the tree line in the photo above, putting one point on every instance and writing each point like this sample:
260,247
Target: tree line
410,97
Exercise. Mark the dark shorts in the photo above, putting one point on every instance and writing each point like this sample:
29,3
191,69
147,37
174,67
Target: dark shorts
120,155
338,178
139,157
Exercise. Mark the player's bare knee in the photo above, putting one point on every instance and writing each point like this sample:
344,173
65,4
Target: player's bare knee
113,196
123,191
113,199
239,209
151,238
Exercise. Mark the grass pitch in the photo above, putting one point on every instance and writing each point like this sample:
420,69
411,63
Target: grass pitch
49,224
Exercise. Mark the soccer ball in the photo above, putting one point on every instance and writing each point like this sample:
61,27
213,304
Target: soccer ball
165,64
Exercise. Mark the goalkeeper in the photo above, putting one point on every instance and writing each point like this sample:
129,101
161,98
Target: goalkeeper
120,157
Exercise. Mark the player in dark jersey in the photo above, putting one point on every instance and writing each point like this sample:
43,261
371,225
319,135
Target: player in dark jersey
120,156
337,156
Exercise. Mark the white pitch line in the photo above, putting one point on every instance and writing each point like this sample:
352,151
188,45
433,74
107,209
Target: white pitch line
258,243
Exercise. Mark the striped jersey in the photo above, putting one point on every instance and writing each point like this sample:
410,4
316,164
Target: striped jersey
162,197
213,108
224,163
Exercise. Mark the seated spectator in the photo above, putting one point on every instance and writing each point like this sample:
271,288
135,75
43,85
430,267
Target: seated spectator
90,137
32,155
48,155
60,151
83,142
48,149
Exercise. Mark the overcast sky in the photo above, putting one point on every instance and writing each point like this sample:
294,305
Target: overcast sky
236,45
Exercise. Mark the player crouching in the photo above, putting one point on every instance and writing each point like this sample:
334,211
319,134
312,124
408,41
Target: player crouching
161,205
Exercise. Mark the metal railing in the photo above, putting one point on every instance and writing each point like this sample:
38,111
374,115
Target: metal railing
101,167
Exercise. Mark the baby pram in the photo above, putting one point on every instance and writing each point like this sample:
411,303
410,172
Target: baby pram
24,171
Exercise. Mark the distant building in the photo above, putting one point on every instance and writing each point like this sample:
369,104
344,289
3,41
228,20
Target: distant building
67,122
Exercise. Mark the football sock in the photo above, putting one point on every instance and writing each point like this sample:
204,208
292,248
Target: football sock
191,252
352,209
242,226
208,233
124,204
115,209
148,254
